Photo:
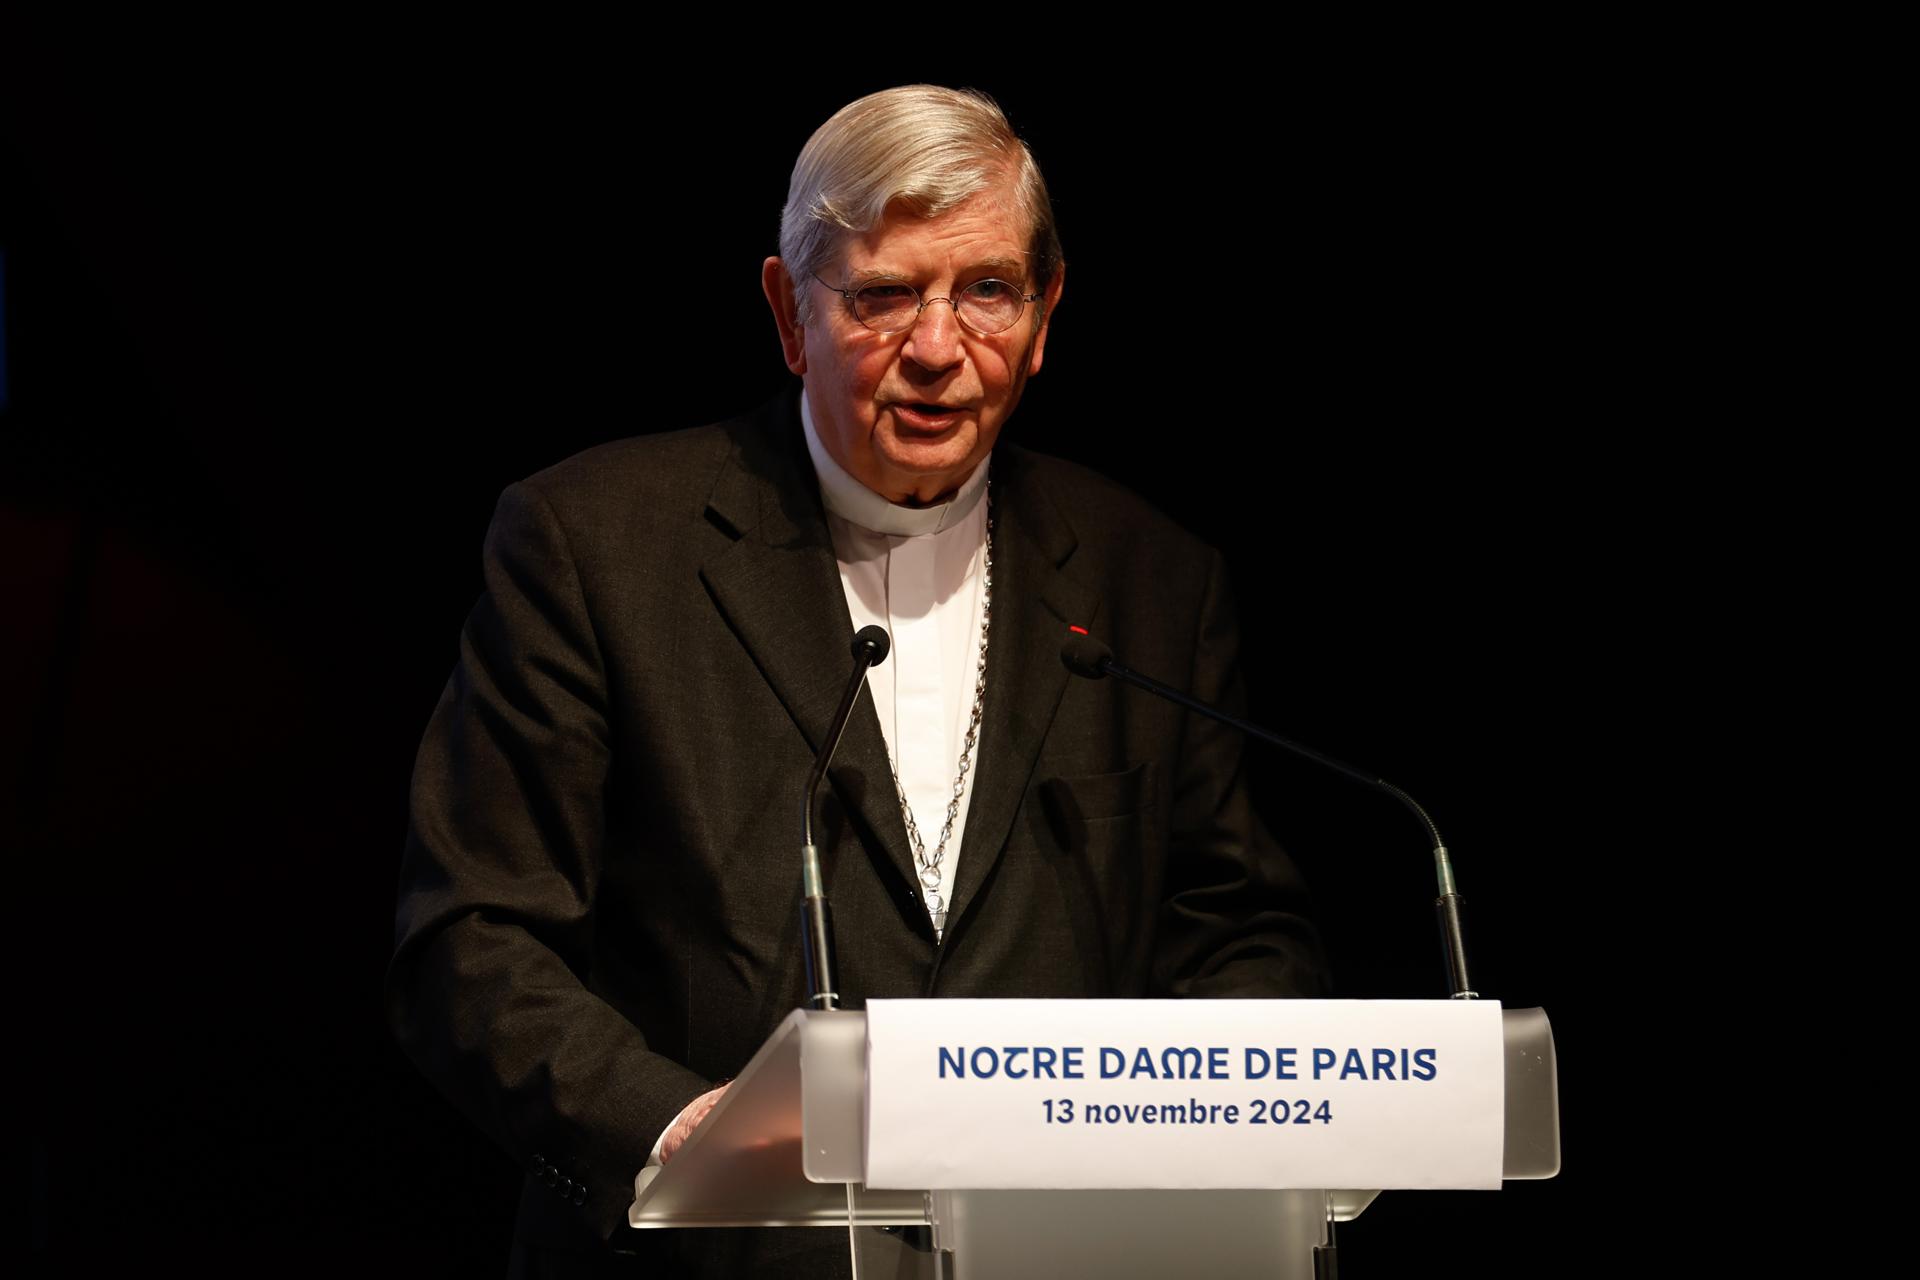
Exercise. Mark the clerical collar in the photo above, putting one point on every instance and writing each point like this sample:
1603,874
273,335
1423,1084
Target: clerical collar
856,504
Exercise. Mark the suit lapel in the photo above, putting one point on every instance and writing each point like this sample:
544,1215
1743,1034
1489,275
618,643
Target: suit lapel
778,585
1034,601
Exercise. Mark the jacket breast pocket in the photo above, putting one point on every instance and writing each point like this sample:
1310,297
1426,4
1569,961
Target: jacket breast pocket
1074,805
1099,871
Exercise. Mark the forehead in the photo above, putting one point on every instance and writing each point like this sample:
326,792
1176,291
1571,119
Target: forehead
987,231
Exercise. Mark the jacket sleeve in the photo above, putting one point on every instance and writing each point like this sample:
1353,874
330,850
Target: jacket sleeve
488,990
1237,919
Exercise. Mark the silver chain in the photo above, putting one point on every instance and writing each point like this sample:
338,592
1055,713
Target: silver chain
929,867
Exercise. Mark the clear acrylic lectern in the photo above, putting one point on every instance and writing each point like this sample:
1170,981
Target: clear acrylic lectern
785,1148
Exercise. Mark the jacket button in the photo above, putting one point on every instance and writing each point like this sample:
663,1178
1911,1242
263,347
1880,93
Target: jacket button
579,1194
539,1165
566,1188
553,1175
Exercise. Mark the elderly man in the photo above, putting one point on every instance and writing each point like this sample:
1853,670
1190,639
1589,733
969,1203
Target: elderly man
600,903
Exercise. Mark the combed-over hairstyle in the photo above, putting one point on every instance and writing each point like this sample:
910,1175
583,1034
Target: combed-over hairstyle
919,145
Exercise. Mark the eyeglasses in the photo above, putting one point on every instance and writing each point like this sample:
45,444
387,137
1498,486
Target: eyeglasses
888,306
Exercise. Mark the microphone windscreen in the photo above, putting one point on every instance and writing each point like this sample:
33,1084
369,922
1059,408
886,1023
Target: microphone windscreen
1085,656
871,643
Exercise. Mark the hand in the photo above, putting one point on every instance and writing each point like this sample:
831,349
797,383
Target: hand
684,1124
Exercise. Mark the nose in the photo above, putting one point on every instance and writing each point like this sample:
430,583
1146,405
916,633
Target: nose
934,340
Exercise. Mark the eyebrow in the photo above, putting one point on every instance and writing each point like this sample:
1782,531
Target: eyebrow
1009,269
999,267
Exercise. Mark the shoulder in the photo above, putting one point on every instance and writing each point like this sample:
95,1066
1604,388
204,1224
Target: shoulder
1110,522
1149,586
653,471
643,489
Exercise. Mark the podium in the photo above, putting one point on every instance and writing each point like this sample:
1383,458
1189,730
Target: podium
786,1148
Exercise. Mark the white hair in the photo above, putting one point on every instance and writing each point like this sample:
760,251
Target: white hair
919,145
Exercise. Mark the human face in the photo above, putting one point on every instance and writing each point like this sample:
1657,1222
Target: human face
911,415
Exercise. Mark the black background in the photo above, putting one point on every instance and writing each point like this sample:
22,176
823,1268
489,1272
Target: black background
287,308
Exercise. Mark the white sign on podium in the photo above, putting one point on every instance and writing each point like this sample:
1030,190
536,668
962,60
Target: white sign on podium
1184,1094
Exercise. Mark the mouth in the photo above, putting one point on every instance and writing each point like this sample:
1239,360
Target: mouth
920,415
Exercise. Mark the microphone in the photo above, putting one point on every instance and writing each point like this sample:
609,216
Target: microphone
874,641
870,647
1085,656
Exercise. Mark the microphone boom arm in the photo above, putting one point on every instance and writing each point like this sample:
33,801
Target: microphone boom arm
1088,657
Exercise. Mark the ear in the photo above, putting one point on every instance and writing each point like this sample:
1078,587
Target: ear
1053,300
778,286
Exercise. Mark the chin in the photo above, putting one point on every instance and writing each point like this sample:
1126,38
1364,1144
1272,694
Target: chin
923,465
930,457
927,476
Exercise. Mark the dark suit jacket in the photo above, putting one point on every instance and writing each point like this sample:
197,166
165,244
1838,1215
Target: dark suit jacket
599,909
